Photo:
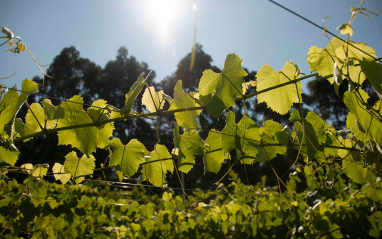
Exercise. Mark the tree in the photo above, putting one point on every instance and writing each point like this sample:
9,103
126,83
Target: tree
117,78
190,77
71,75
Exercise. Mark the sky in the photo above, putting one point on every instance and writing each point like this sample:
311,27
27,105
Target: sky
160,32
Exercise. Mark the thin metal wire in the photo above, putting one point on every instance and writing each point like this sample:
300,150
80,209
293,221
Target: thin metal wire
318,26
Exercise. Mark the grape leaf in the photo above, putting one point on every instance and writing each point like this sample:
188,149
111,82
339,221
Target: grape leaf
8,153
356,171
52,112
322,60
60,174
27,167
186,119
314,130
99,110
157,165
247,85
350,51
39,171
36,120
79,168
127,158
224,86
135,89
351,123
153,100
280,99
370,123
294,116
243,137
190,144
351,56
272,133
86,139
373,72
345,29
213,159
11,102
345,142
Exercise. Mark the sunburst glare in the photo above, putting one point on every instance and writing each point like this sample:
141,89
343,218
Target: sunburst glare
164,13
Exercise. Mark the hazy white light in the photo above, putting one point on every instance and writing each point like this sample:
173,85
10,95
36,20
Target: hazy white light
164,13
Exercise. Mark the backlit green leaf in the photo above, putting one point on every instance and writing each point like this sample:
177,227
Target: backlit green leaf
52,112
247,85
356,171
39,171
294,116
36,120
214,156
157,165
370,122
190,144
86,139
99,110
127,158
243,137
224,86
186,119
27,167
345,29
79,168
135,89
351,57
280,99
322,60
314,131
60,174
8,153
11,102
352,51
373,72
272,133
153,100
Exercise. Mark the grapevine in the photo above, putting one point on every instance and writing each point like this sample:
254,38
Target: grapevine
341,168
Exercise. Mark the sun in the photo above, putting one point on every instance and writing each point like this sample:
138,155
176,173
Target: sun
164,13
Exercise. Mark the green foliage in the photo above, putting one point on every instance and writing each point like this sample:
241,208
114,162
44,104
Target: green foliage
243,137
187,119
282,98
222,87
153,100
85,139
127,158
190,144
158,162
135,89
213,157
79,168
333,188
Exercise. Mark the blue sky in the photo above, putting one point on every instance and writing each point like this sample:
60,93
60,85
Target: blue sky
257,30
